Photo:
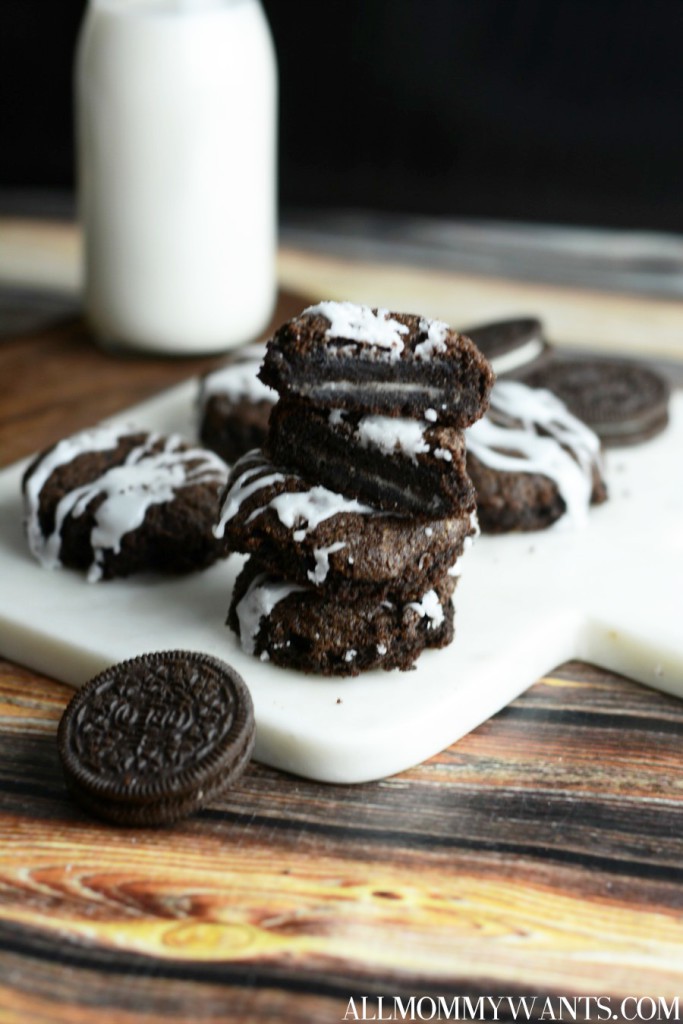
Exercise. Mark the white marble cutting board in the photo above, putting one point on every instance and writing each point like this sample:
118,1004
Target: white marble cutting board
611,594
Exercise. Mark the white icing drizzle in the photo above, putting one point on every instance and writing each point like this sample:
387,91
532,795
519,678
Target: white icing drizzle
350,654
389,433
431,415
443,453
145,478
46,550
304,510
435,342
322,561
311,507
351,322
381,649
336,417
241,489
261,597
542,453
429,606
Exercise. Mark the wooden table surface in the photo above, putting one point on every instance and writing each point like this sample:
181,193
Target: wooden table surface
542,855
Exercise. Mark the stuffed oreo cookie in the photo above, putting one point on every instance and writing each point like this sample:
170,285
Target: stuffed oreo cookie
339,355
407,466
311,535
312,630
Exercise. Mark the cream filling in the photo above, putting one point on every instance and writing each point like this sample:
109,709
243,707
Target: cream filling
517,357
332,387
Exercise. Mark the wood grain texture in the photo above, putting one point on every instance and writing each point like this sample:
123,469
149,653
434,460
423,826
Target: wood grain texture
543,853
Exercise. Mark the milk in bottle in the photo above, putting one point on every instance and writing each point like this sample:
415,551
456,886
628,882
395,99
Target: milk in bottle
176,160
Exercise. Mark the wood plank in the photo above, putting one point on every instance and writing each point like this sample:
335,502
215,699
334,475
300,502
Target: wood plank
616,324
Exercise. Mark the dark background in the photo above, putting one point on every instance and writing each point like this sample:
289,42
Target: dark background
568,111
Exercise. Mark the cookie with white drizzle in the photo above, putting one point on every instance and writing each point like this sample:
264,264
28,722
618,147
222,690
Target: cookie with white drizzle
310,630
312,535
234,405
409,466
112,501
370,361
532,462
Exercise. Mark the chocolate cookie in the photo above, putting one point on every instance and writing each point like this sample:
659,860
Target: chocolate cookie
308,629
110,503
510,345
340,355
234,405
311,535
150,740
532,462
624,403
398,465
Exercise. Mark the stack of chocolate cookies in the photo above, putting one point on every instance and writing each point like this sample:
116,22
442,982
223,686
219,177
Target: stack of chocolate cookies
357,509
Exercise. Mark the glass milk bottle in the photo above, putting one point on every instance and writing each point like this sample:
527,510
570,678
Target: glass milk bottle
176,112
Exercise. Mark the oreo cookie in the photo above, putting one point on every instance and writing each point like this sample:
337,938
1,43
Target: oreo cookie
510,345
310,630
114,501
623,402
370,361
153,739
234,406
